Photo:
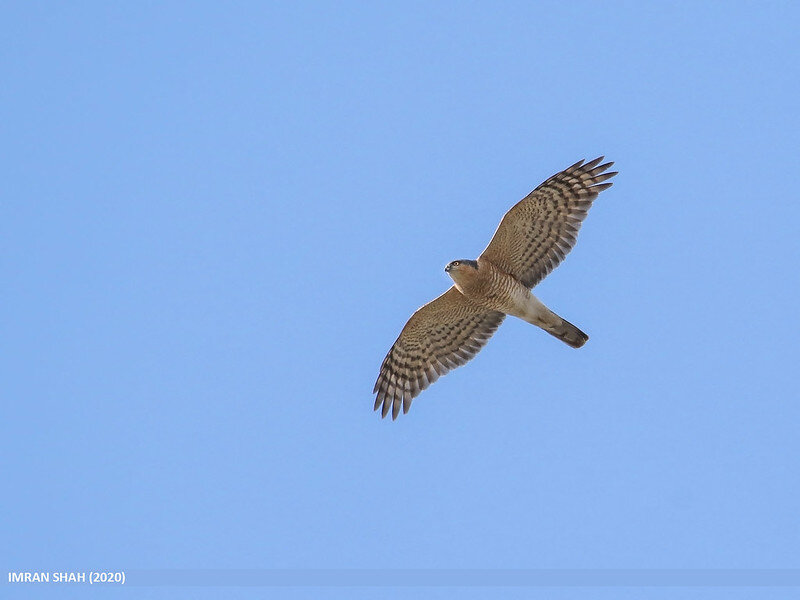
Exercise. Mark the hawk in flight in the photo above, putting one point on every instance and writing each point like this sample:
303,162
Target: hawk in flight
531,240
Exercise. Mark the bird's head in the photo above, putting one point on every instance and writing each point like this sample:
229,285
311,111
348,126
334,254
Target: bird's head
459,269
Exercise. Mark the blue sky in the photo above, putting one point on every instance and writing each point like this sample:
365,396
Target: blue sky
217,218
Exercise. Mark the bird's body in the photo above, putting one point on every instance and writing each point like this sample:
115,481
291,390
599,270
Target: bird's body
488,286
531,240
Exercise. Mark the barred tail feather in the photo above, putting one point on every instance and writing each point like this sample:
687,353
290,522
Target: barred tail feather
567,333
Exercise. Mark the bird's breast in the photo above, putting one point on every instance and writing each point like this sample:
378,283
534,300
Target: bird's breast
496,290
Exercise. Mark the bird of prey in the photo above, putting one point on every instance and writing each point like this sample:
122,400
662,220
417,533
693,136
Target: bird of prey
531,240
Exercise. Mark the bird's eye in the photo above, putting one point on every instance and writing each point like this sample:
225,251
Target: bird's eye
455,263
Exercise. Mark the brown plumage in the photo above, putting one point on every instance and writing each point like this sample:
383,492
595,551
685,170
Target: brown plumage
531,240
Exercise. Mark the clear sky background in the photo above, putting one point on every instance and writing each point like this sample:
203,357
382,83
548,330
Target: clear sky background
216,218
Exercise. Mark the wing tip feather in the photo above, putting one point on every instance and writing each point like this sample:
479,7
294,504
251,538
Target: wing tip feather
592,163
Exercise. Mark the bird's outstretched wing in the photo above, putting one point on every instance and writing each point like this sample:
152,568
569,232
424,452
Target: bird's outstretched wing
538,232
442,335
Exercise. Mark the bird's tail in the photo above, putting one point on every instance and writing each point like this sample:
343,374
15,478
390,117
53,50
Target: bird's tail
565,331
536,313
